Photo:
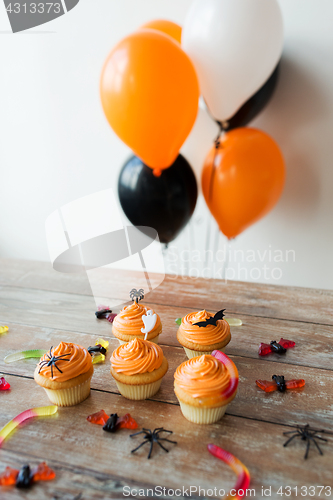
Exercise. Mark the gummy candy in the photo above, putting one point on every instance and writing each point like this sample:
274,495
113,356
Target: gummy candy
8,477
279,384
3,329
24,477
99,418
98,358
277,347
43,411
234,321
4,385
16,356
113,422
111,317
43,473
126,422
243,475
178,321
103,343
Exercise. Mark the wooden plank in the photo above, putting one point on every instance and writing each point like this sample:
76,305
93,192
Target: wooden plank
76,313
293,407
293,303
87,458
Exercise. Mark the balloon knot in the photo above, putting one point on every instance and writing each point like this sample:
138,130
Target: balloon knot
157,172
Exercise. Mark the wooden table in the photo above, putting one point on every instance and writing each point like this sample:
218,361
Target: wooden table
42,307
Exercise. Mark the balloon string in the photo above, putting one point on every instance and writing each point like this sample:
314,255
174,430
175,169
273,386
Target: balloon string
217,146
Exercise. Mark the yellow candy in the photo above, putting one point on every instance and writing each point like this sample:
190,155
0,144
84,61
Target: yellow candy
3,329
234,321
98,358
103,343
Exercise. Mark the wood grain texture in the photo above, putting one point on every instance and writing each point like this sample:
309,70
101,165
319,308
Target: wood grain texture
251,402
299,304
43,307
77,448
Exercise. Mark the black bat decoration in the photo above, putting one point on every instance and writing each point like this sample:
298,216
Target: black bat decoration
213,320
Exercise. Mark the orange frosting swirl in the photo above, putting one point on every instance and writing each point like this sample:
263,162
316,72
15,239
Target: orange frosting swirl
203,377
137,356
129,320
203,335
75,361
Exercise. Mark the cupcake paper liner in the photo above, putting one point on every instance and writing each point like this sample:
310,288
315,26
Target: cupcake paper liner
139,391
202,415
69,397
193,354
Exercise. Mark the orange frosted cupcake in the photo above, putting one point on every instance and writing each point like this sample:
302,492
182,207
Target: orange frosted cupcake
198,340
129,323
205,386
65,374
138,368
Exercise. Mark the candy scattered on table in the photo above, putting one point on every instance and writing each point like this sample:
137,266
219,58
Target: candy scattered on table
279,384
234,321
17,356
4,385
105,313
3,329
43,411
308,434
178,321
276,347
153,437
98,351
243,475
24,477
112,423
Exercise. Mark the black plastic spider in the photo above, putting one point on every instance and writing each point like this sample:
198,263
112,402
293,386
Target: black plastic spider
153,437
137,294
52,360
306,433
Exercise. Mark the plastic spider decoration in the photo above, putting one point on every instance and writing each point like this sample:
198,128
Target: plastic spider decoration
52,361
137,295
153,437
306,433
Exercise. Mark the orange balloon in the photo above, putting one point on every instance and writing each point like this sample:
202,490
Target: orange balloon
247,180
150,91
168,27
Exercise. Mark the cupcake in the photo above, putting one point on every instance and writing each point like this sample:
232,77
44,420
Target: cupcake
198,340
138,368
65,374
204,386
131,323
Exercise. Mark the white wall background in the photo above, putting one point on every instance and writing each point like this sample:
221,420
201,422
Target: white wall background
56,145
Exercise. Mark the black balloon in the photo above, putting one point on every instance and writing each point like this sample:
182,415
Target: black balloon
254,105
165,203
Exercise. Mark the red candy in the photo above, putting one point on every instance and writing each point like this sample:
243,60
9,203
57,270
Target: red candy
8,478
99,418
126,422
287,344
43,473
4,385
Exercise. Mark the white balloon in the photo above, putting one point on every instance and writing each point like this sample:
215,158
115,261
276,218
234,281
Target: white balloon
235,46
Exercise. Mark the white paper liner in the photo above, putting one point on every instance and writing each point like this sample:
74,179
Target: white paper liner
139,391
202,415
69,397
